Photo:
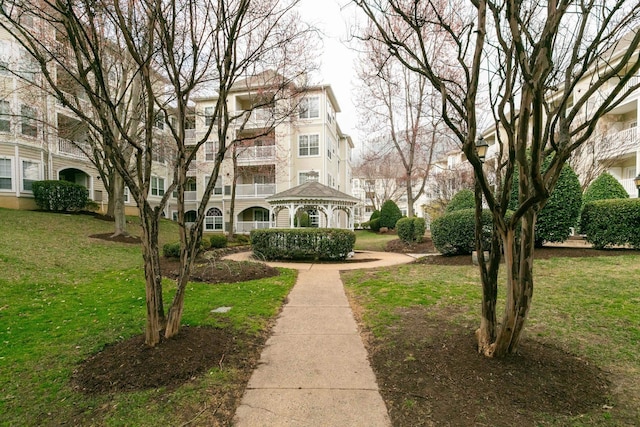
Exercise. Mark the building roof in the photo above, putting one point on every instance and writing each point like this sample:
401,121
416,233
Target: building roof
312,190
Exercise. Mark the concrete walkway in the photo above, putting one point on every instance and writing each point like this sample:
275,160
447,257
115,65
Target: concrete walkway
314,369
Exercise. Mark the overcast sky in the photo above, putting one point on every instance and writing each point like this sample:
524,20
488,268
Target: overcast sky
335,19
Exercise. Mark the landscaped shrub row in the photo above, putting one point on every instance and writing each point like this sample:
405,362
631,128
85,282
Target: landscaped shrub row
411,230
454,233
60,196
612,222
314,243
215,241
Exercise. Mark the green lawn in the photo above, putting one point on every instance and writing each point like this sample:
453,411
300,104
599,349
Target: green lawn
589,307
367,240
63,296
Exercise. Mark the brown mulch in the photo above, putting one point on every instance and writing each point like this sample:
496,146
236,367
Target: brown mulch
432,375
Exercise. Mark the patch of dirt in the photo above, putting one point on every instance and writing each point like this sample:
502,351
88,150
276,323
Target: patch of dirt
219,271
430,373
546,252
117,239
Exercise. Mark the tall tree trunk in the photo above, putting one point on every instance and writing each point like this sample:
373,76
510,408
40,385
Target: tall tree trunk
111,206
519,265
410,212
120,219
153,276
232,207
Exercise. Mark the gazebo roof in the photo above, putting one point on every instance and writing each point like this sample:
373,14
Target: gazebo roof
312,191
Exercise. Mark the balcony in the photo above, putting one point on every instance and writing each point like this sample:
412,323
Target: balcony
255,190
620,144
630,186
257,154
189,136
247,226
259,117
73,149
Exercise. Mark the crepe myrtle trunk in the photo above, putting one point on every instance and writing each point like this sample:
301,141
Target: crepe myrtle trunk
153,276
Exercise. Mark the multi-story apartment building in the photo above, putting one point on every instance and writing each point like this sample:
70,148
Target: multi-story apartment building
36,133
40,138
307,146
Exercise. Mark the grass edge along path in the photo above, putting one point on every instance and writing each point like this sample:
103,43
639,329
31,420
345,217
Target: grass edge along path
589,308
65,296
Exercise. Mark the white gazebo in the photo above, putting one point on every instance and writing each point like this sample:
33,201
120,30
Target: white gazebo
314,197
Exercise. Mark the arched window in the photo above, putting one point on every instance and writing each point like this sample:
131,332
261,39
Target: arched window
213,219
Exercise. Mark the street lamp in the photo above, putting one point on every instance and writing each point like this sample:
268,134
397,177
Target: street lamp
636,181
482,146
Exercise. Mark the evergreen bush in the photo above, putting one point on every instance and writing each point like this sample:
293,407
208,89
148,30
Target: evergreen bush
411,230
303,244
612,222
171,250
389,214
218,241
60,196
604,187
454,233
463,199
561,212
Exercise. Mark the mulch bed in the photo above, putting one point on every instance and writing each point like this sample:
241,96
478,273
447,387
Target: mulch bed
432,375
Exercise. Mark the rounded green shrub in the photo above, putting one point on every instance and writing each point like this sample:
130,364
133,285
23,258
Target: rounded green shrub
374,224
612,222
561,211
218,241
60,196
463,199
389,214
302,243
411,230
454,233
171,250
604,187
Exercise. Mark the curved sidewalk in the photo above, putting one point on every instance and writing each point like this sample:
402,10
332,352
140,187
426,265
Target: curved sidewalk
314,369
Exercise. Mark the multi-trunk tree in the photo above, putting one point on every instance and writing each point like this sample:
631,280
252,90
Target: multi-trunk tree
178,49
531,69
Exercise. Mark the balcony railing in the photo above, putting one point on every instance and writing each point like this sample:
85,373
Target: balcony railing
256,154
630,186
255,190
73,149
621,143
189,136
247,226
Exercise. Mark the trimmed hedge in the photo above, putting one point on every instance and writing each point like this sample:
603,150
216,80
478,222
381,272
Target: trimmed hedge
411,230
612,222
604,187
302,244
463,199
218,241
454,233
561,211
60,196
171,250
389,214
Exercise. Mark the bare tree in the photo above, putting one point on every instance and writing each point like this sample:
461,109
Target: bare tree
533,57
178,48
381,178
398,111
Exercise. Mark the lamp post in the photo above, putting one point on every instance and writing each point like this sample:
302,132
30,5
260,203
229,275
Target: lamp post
481,148
636,181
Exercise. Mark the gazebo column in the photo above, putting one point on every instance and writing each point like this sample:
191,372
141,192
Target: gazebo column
292,215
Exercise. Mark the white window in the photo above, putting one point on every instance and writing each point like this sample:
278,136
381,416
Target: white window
213,219
310,107
159,120
209,151
308,176
30,173
208,116
217,189
308,145
329,147
157,186
6,174
126,194
29,125
261,215
5,116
